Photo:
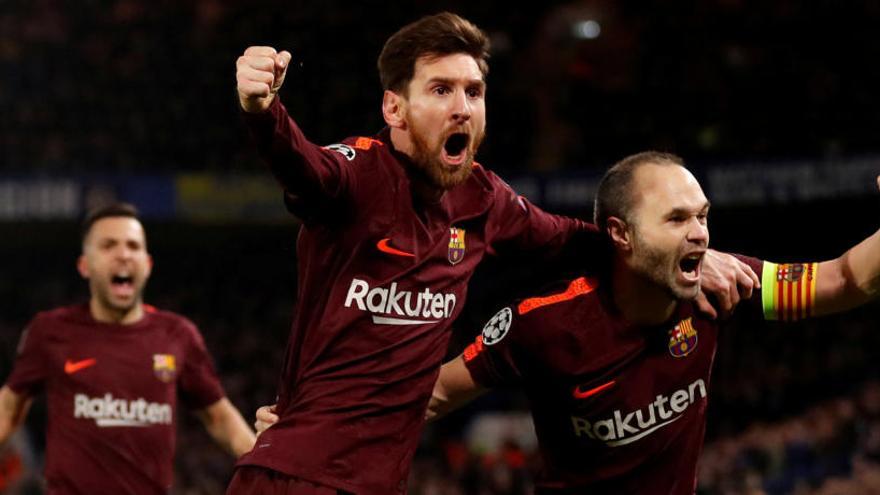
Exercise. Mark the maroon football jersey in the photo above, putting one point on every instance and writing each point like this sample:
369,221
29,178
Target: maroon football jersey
380,281
618,408
112,396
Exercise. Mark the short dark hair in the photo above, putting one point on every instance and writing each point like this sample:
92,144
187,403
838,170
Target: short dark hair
614,196
433,36
118,209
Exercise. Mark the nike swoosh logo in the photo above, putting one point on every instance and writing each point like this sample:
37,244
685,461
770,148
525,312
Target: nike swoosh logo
385,247
71,367
583,394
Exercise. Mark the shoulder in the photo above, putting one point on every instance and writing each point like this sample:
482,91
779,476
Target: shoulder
559,296
50,319
170,321
357,149
551,307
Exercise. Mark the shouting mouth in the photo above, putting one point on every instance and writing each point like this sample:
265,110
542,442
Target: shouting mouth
455,148
689,267
122,285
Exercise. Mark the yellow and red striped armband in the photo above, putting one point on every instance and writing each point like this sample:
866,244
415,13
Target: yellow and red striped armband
788,291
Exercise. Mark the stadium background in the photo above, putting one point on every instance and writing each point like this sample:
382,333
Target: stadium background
774,105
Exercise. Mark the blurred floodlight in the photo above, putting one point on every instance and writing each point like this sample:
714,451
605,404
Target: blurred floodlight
587,30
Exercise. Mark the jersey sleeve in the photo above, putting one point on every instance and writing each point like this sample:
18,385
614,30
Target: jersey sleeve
198,385
515,224
311,175
491,359
29,371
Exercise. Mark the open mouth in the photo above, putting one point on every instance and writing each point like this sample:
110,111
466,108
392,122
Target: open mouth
454,148
122,285
690,266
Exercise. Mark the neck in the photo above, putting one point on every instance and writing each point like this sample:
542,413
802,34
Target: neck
104,314
639,300
424,191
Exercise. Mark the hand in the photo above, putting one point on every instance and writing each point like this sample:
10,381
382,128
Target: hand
266,417
728,279
260,73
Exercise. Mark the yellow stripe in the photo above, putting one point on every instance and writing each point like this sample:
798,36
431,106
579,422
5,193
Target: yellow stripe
769,290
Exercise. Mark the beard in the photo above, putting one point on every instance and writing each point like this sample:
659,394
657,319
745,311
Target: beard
427,159
660,268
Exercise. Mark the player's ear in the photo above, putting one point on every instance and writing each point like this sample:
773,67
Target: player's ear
619,232
393,109
82,266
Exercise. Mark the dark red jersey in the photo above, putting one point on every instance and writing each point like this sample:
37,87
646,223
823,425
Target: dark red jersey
112,396
618,408
380,281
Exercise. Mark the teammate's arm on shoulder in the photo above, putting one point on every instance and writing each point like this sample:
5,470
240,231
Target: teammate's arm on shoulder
13,410
728,279
228,428
454,388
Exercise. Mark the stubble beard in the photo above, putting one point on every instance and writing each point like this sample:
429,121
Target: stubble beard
104,296
657,267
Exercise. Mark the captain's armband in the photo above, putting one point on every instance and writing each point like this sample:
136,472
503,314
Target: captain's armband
788,291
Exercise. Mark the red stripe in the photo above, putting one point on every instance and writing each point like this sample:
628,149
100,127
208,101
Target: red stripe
575,288
810,281
790,306
780,299
800,303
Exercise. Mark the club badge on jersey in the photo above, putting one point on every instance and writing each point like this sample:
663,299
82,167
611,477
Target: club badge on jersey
456,245
682,338
164,367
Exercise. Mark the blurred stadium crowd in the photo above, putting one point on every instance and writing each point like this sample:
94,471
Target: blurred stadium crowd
138,86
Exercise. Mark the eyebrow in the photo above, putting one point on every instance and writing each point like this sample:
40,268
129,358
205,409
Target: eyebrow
449,81
685,211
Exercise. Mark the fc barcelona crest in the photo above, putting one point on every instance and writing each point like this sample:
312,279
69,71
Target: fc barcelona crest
456,245
790,273
164,367
682,338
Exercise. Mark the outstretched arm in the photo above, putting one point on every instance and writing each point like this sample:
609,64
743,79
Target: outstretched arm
13,410
454,388
813,289
225,424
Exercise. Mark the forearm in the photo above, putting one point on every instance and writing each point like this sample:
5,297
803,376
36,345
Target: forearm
228,428
13,410
299,165
453,389
850,280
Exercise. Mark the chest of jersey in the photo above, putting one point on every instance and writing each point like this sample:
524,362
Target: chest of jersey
121,379
624,392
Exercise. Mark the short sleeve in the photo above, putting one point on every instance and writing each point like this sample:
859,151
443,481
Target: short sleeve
29,371
491,359
199,385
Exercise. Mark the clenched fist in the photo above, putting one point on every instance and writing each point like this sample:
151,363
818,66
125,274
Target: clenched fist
260,74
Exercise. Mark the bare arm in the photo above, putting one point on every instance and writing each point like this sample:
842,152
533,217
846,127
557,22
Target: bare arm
225,424
454,388
798,290
850,280
13,410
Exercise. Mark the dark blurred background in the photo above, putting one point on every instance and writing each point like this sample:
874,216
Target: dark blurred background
773,104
